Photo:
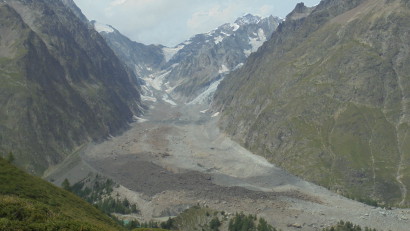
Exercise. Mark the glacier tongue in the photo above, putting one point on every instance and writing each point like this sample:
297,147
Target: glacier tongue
206,96
169,52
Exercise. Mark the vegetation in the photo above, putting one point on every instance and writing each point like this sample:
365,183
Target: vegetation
347,226
241,222
30,203
99,194
169,224
10,158
111,205
93,191
134,224
66,185
327,113
149,229
214,224
264,226
205,219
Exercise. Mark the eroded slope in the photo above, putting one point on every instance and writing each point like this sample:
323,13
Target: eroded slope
327,98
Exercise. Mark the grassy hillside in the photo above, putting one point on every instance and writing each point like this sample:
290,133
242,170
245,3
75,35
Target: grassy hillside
29,203
327,98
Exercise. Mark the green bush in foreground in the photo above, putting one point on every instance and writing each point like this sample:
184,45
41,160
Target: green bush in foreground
347,226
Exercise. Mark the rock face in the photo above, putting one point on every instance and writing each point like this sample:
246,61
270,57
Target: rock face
61,85
196,66
74,9
327,98
191,71
142,59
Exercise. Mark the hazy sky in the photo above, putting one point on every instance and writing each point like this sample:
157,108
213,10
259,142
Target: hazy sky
170,22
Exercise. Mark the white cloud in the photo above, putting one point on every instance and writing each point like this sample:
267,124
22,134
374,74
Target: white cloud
216,15
118,2
265,10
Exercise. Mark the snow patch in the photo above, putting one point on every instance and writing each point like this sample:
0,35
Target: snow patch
204,111
247,52
248,19
148,98
226,34
206,96
169,52
215,115
223,69
155,81
257,42
169,89
238,66
235,27
99,27
166,99
139,119
218,39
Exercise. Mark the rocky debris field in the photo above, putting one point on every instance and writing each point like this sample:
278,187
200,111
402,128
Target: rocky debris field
176,157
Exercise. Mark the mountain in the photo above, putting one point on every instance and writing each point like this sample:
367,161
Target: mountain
74,9
30,203
195,67
61,85
191,70
142,59
327,98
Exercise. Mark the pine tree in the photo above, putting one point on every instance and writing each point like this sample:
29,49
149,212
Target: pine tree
10,157
66,185
214,224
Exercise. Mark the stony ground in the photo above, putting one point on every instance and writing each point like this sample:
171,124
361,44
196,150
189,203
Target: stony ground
176,157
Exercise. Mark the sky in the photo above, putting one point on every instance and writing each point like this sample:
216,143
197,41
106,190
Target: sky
170,22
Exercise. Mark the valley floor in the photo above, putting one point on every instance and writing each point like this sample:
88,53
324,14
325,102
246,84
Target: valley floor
176,157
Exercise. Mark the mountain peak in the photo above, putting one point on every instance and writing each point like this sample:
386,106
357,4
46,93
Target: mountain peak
248,19
299,12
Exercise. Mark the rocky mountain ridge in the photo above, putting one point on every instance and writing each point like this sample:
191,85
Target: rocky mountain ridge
326,98
142,59
190,71
61,85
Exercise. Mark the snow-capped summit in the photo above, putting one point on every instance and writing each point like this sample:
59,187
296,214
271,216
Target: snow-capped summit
248,19
191,71
198,65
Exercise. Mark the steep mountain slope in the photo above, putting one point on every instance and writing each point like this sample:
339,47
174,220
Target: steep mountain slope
61,85
77,11
327,98
196,66
142,59
191,71
29,203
